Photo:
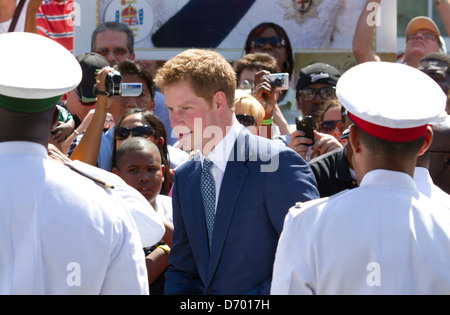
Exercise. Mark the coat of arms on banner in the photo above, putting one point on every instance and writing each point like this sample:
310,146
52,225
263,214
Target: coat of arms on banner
137,14
300,10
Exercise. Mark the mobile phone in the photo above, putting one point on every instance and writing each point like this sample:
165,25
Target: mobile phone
305,124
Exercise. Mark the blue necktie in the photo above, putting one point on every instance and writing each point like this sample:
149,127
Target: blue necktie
209,197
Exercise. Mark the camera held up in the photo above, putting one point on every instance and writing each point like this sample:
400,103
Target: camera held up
115,87
279,80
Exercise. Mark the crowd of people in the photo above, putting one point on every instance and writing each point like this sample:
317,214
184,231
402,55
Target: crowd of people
197,177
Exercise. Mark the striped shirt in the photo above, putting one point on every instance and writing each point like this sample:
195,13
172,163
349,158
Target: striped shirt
55,20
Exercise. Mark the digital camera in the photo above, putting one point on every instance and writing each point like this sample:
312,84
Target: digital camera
279,80
115,87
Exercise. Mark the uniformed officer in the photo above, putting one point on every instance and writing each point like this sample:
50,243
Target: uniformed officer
383,237
60,232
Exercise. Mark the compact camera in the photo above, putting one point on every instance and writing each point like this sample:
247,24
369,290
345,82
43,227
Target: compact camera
279,80
115,87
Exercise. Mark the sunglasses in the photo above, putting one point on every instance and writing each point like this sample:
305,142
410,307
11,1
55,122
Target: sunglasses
122,133
274,42
326,93
425,35
328,126
246,120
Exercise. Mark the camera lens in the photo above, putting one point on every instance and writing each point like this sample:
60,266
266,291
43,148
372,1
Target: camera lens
116,78
278,82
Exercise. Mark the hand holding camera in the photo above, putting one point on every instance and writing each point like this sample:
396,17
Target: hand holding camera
111,80
265,92
279,80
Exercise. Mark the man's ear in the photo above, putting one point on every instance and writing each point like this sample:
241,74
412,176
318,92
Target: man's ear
153,105
354,139
115,170
55,118
219,101
427,142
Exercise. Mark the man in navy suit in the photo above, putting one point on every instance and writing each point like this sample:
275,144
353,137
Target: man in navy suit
255,181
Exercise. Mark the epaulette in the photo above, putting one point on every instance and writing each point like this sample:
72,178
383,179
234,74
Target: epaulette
98,181
315,202
309,203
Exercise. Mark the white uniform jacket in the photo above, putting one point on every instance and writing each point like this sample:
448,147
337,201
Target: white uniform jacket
60,233
148,222
383,237
426,186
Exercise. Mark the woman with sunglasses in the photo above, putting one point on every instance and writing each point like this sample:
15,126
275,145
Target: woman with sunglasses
272,39
330,120
137,122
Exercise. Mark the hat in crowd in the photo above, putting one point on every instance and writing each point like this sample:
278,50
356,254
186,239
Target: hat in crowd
35,72
391,101
425,23
317,73
422,23
90,64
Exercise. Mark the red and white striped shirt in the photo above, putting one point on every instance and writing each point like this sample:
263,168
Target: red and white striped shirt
54,20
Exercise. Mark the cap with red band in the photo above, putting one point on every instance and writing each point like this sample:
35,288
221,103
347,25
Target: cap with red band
391,101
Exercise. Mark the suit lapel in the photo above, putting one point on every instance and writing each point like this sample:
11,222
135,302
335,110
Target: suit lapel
234,177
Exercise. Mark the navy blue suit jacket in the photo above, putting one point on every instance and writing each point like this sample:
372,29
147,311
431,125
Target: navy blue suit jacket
262,180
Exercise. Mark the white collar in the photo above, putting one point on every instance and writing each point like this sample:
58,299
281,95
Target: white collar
22,148
422,173
381,177
221,152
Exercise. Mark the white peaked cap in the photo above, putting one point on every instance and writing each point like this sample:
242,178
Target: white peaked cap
391,101
33,67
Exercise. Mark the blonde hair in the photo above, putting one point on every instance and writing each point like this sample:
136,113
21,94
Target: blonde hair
205,70
248,104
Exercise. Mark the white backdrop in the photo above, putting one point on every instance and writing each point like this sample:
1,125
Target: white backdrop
326,25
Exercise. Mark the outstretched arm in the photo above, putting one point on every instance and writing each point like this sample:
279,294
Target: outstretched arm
362,39
89,147
443,6
30,20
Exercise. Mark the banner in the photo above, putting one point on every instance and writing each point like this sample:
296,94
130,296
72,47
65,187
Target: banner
225,24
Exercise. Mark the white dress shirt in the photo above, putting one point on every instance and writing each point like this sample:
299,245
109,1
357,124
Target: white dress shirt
220,154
